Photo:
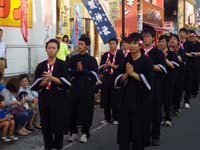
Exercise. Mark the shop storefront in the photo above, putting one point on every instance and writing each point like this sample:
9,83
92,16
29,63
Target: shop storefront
153,16
190,18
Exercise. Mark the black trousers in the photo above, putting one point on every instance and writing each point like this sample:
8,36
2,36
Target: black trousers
156,121
196,78
178,90
189,80
73,127
84,130
111,114
52,140
134,128
126,147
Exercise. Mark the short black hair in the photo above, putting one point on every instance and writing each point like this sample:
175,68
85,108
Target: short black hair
113,39
125,39
1,30
24,76
164,37
84,35
86,40
2,98
176,36
53,41
135,37
150,31
21,95
65,36
183,30
191,31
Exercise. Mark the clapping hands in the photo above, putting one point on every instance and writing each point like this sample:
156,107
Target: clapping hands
46,76
79,66
129,69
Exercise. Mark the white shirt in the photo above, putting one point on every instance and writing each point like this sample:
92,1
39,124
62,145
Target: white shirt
9,97
2,49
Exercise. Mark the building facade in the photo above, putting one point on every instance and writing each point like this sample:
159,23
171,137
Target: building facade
48,18
179,14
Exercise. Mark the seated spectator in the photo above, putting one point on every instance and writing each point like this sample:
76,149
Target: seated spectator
7,124
23,98
32,98
21,115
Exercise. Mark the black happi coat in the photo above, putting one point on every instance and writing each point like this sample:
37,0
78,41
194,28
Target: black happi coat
192,74
53,103
83,88
135,100
170,79
196,77
157,58
122,54
180,77
110,96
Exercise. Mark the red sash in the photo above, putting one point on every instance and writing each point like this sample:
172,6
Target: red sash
113,61
50,70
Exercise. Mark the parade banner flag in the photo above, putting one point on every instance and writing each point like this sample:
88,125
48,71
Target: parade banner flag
24,19
64,19
47,18
101,21
76,34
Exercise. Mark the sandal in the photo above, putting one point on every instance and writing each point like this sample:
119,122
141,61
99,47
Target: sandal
38,127
26,131
22,133
30,129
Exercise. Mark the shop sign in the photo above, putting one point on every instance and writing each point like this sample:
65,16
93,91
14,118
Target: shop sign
153,14
11,13
189,14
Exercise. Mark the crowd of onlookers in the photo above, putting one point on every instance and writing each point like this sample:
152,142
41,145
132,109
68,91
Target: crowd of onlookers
19,112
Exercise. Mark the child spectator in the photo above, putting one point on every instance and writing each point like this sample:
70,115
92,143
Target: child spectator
32,98
21,115
23,99
7,124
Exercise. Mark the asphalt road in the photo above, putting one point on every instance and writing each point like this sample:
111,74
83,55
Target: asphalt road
183,135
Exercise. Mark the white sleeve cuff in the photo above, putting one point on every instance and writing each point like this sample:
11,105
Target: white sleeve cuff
163,68
96,76
117,81
65,81
144,80
34,85
100,67
175,63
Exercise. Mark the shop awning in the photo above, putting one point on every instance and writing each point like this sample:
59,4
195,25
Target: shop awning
155,26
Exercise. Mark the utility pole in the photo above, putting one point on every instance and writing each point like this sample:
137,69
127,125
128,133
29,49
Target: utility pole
123,19
140,15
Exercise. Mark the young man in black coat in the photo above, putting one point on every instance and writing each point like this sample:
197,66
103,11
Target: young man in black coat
158,59
136,77
83,69
110,96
